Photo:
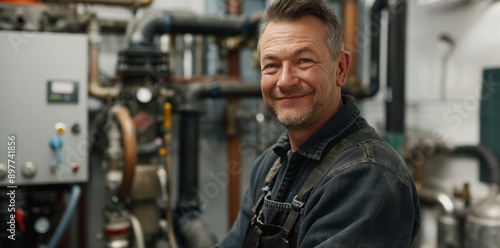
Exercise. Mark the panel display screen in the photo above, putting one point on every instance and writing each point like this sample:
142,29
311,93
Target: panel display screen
60,91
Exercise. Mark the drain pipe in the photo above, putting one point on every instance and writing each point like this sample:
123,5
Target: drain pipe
163,22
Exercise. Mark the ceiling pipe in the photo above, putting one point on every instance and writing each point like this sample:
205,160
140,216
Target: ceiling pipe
163,22
137,3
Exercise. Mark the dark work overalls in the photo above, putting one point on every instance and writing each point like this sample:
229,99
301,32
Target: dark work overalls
264,235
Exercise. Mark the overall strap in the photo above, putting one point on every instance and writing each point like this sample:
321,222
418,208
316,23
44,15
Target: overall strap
318,172
269,179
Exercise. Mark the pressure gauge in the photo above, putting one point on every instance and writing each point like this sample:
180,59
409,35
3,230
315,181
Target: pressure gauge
144,95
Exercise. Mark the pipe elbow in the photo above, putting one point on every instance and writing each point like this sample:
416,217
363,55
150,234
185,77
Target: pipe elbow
147,26
444,201
103,92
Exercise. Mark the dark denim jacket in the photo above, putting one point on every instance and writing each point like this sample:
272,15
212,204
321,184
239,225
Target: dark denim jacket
371,201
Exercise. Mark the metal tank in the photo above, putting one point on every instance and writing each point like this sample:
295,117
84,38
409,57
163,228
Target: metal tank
482,227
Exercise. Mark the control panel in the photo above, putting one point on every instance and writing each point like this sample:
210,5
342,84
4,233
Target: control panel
43,107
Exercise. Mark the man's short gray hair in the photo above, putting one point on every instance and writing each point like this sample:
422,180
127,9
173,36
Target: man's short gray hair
292,10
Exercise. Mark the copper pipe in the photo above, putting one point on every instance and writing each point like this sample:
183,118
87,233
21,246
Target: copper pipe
233,7
350,35
95,88
130,151
234,168
138,3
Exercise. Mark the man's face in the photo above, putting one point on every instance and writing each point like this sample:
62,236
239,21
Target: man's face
300,81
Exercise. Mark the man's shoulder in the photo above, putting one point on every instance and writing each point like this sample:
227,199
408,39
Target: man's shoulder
374,155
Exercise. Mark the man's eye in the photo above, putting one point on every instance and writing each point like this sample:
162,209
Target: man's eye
270,66
303,61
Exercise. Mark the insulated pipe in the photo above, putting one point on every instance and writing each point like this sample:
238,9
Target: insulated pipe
197,234
138,3
163,22
396,65
189,133
196,92
188,147
130,151
395,100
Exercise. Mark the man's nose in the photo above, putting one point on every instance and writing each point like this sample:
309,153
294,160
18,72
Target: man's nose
288,76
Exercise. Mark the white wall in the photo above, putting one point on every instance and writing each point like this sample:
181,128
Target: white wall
475,28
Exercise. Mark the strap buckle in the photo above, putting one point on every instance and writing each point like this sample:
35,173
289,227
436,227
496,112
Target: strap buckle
297,204
266,189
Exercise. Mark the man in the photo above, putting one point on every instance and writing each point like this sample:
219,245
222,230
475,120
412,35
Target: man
330,180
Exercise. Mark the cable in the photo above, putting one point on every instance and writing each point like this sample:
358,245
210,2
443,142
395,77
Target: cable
66,218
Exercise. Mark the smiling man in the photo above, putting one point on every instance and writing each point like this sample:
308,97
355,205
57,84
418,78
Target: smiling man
330,180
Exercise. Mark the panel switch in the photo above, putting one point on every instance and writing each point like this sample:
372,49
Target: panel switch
28,169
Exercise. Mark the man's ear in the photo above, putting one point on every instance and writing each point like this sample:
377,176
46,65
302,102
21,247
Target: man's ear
343,63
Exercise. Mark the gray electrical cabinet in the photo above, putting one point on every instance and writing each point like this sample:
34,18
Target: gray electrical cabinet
44,136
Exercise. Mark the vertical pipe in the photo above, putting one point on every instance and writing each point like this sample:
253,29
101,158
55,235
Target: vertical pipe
188,171
395,101
233,7
350,35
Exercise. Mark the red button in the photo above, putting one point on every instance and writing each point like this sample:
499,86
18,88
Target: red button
75,167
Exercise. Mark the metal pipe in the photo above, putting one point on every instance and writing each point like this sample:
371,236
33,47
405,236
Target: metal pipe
189,134
350,35
444,201
163,22
136,3
357,89
196,91
130,151
485,155
395,100
95,89
196,233
188,148
233,7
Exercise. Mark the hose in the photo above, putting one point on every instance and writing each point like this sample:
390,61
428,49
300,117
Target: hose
66,218
136,226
